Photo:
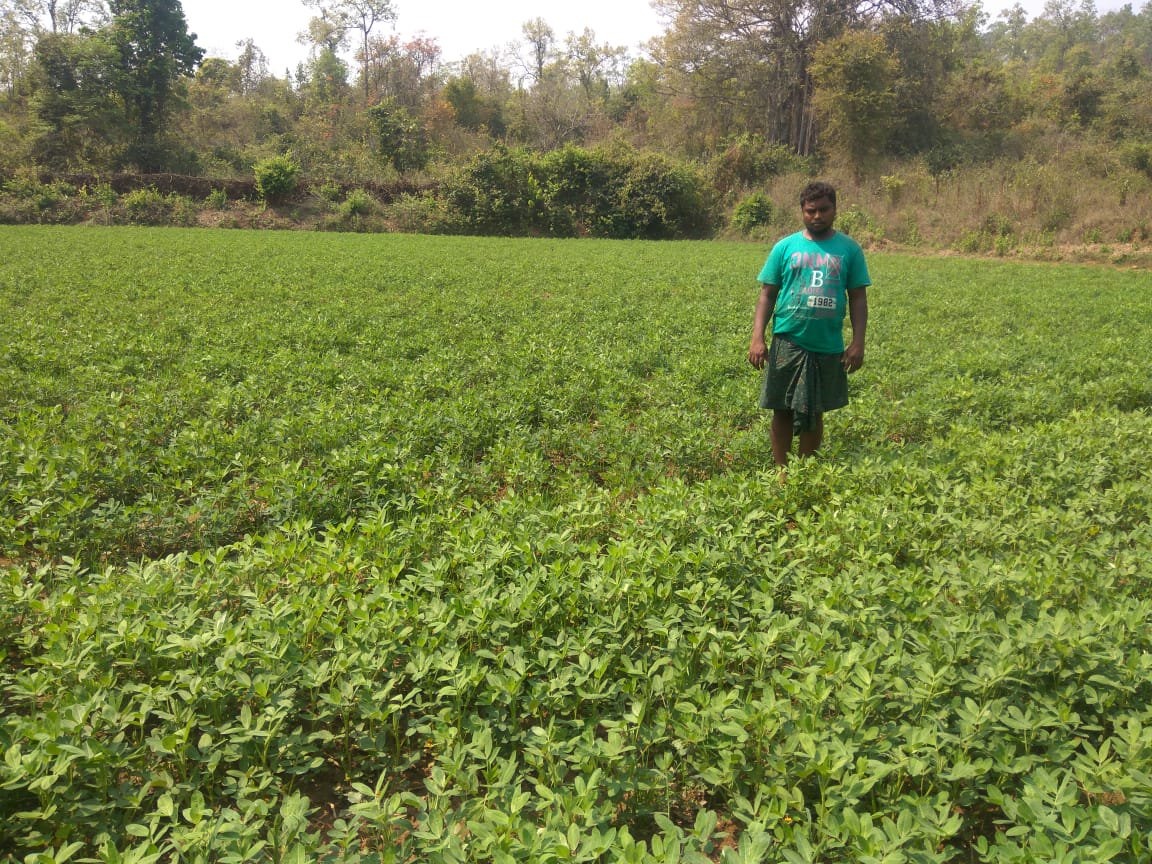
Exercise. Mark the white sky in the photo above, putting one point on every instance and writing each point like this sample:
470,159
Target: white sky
459,26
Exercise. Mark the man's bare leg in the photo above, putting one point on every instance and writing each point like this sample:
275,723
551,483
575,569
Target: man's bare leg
781,434
811,440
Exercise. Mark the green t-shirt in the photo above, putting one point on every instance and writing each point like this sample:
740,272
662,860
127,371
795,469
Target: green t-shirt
814,278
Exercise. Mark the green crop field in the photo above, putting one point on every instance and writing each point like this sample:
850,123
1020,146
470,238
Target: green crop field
404,549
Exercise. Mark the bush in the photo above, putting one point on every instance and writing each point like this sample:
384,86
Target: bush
276,178
102,193
580,187
358,203
11,157
752,212
42,196
613,193
1138,155
330,192
661,200
400,136
893,186
145,207
858,224
497,193
418,214
30,200
748,161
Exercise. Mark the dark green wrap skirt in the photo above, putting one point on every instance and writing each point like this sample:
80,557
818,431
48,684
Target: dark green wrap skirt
804,382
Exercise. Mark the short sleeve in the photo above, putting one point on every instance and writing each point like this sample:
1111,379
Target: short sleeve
773,270
858,272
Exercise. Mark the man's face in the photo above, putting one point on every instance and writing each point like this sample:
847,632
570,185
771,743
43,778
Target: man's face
819,215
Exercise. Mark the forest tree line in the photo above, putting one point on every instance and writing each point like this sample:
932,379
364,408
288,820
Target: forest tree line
726,98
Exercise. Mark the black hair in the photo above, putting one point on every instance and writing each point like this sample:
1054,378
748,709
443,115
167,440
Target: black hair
816,190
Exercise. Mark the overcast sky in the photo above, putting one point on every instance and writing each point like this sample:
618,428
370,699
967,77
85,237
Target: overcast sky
461,27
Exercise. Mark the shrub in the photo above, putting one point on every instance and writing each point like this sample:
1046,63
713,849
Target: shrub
972,242
184,210
358,203
661,200
602,193
749,160
10,149
400,135
754,211
331,192
859,224
418,214
580,187
893,186
217,199
997,225
145,206
34,201
276,178
103,194
1056,219
497,192
1138,155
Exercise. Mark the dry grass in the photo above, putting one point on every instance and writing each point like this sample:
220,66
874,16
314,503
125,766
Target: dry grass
1070,209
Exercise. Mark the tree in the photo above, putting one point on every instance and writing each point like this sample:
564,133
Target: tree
931,54
401,138
539,39
327,79
1126,99
79,115
492,78
54,16
551,115
1064,26
404,71
1007,37
597,68
978,110
479,93
15,53
855,76
471,110
748,63
361,16
251,65
23,22
154,51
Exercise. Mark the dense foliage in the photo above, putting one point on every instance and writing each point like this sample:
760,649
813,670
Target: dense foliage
613,193
276,178
393,548
869,85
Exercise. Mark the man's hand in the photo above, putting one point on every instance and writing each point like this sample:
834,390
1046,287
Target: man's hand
765,303
853,357
758,353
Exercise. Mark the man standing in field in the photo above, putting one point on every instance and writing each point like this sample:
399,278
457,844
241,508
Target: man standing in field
811,279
